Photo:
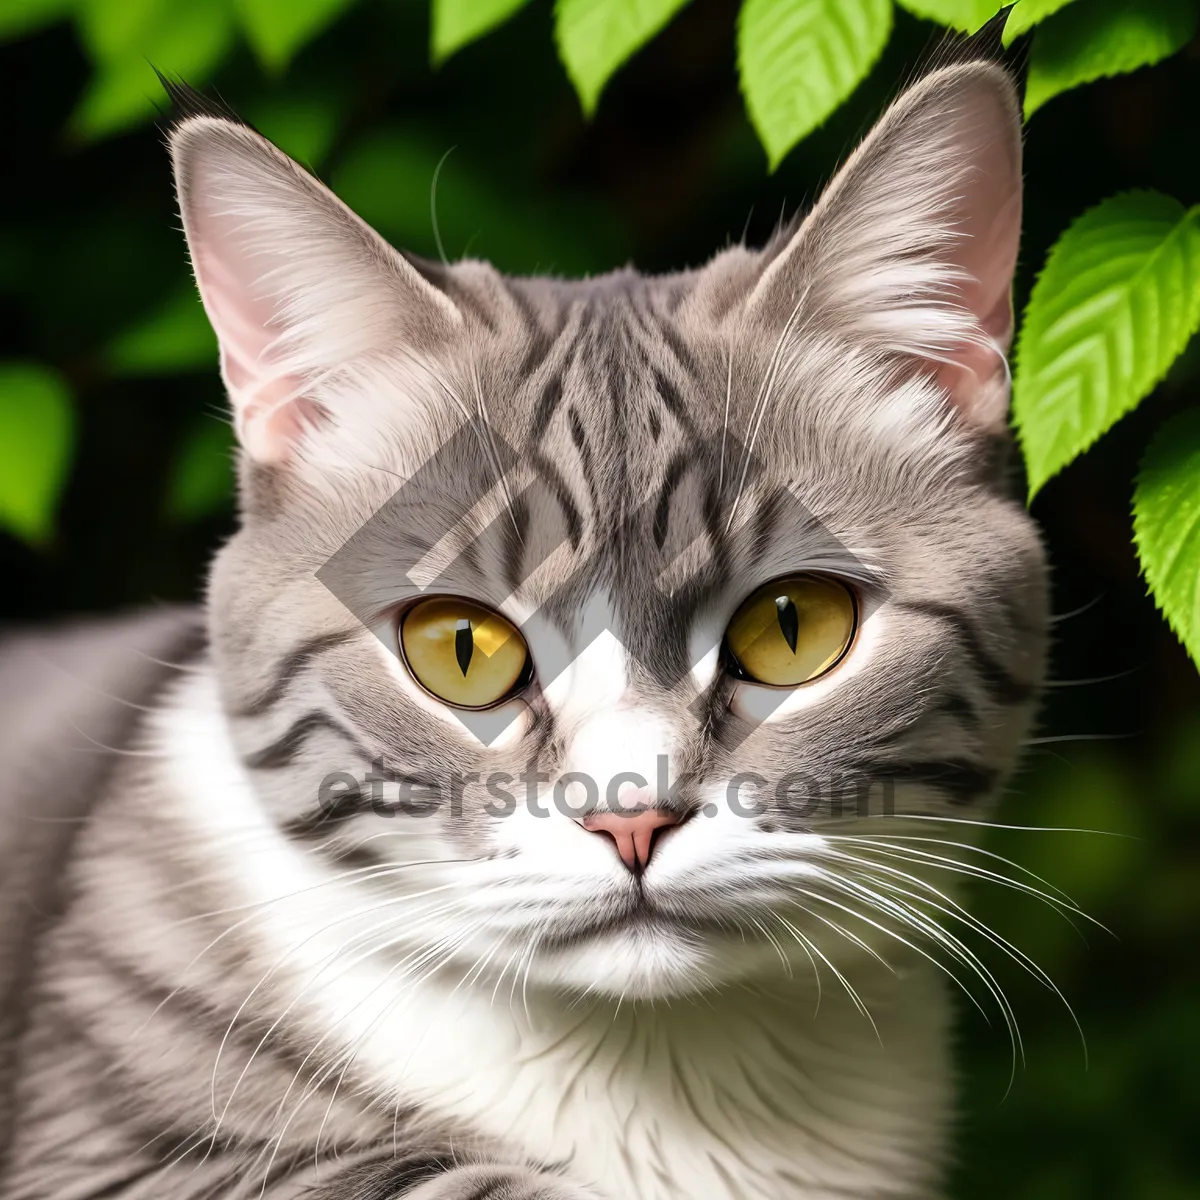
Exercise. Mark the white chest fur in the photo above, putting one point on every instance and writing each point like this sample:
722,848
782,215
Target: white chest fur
739,1095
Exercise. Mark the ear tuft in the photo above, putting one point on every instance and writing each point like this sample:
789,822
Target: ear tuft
187,102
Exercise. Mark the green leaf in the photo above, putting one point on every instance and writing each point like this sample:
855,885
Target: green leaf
21,17
799,59
276,29
36,431
965,15
1088,41
1026,14
1115,304
596,36
188,40
202,481
457,23
1166,525
177,337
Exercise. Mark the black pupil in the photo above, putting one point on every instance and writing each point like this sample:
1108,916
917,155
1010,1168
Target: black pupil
789,621
464,644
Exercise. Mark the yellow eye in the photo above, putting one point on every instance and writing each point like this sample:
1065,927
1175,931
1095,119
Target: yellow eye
793,630
463,653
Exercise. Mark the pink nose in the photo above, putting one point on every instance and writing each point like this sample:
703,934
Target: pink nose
632,831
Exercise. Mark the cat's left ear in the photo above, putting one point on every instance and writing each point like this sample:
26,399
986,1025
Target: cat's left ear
296,286
912,247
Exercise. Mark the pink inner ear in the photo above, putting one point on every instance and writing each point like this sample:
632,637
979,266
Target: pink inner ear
268,413
296,287
989,258
986,253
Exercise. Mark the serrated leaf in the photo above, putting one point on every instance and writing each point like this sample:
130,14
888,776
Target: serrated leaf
1166,525
1088,41
595,37
177,337
276,29
799,59
187,40
964,15
457,23
202,481
1026,14
1115,304
37,423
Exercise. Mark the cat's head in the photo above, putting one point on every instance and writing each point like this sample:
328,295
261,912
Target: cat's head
730,548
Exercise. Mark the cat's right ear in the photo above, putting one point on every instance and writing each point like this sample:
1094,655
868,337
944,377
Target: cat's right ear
296,286
910,251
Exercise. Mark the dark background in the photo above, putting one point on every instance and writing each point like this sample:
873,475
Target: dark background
93,281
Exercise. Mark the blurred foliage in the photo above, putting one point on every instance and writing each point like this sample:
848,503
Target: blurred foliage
1094,341
115,451
1114,1118
36,418
457,23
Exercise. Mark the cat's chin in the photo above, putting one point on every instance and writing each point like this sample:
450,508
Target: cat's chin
655,963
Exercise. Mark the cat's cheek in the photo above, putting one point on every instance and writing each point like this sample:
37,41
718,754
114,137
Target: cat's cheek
764,705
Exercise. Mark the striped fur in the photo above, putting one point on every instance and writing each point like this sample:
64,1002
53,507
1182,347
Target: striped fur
251,986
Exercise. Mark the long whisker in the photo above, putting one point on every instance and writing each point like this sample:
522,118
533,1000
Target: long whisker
427,911
925,924
345,877
278,965
783,958
966,846
855,998
913,854
263,908
760,406
450,945
1078,737
956,911
977,824
422,956
439,953
812,961
850,936
889,932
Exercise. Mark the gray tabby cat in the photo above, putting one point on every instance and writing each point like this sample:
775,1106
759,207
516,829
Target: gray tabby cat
519,827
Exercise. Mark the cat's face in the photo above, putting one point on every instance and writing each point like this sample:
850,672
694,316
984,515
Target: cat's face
722,551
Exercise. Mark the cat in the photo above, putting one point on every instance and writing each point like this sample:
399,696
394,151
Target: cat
533,813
